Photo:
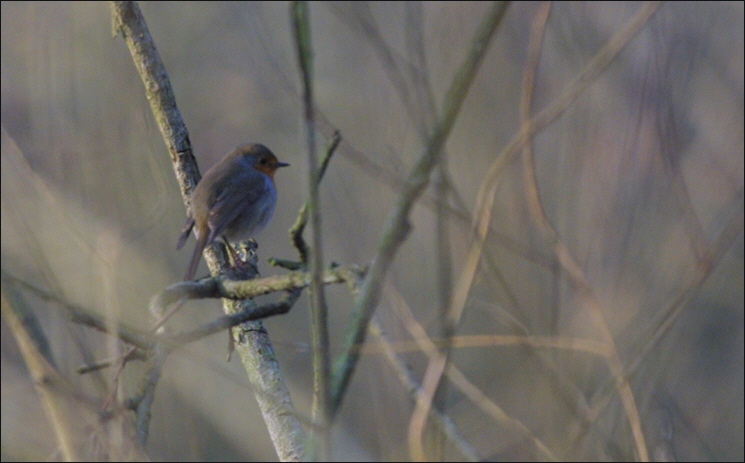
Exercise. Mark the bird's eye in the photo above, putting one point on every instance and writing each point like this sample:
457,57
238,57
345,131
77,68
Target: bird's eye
264,161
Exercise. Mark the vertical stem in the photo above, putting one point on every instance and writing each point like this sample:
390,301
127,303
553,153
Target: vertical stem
319,323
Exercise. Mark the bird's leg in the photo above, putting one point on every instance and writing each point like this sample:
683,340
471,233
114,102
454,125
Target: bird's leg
241,253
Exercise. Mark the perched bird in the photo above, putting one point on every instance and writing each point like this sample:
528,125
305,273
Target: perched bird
234,200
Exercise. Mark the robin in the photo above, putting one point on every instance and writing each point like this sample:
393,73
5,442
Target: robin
234,200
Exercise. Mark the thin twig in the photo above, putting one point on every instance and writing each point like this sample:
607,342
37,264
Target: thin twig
297,229
318,308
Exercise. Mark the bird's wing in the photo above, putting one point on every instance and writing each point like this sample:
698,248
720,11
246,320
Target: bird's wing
232,202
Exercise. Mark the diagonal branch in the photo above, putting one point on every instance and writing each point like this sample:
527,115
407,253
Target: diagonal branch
398,225
256,352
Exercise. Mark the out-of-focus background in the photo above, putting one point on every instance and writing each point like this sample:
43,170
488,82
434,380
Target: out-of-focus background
642,177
